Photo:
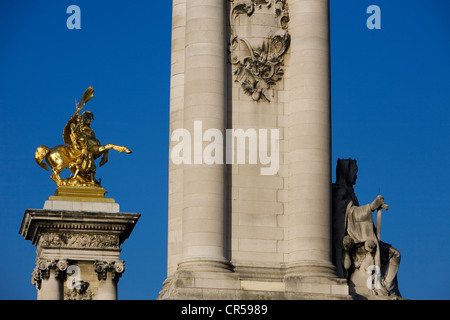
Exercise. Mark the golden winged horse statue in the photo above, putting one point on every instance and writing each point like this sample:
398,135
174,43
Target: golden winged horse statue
80,152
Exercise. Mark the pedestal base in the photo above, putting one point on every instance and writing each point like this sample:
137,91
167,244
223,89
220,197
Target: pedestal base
258,284
81,194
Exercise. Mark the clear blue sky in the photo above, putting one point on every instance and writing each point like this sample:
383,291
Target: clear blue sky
390,111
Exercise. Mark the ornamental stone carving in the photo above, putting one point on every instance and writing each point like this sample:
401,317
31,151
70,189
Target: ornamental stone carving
42,270
259,41
79,240
80,291
117,268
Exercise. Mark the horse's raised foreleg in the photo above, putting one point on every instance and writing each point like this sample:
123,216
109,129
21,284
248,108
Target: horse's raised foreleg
114,147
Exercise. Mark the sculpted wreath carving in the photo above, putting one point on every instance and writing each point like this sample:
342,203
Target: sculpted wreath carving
259,41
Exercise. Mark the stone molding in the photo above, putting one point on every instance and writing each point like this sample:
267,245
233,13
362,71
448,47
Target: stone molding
82,229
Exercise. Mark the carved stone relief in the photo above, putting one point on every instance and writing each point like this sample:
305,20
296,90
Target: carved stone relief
259,41
80,291
79,240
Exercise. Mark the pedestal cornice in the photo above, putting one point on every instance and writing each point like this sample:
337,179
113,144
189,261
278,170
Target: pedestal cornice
37,222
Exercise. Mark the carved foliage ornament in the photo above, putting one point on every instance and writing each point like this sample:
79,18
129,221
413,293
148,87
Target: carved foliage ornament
259,41
79,240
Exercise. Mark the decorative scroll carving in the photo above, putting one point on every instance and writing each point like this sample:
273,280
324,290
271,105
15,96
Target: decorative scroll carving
258,49
83,240
117,268
42,270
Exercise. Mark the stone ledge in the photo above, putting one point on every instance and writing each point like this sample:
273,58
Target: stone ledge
92,205
263,286
238,294
191,285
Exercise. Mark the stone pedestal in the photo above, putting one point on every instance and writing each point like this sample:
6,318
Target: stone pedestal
78,236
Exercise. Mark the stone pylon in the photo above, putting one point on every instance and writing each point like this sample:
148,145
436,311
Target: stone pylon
255,221
78,237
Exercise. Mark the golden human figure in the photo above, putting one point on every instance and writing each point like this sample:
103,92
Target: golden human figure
80,152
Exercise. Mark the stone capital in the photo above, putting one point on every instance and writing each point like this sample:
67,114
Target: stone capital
44,267
117,268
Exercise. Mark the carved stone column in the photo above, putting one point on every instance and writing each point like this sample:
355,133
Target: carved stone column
204,185
309,115
255,67
48,277
108,273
